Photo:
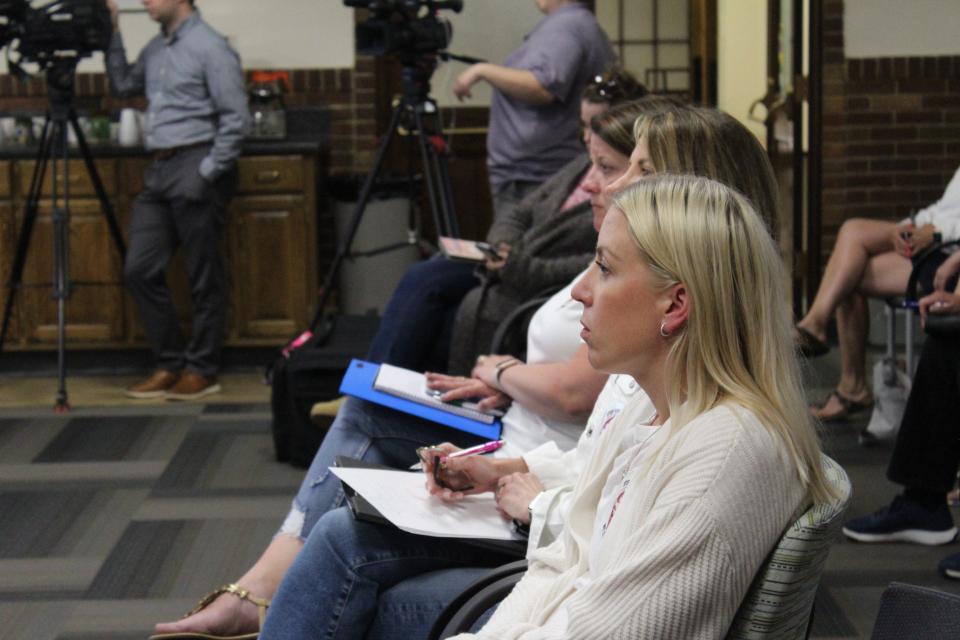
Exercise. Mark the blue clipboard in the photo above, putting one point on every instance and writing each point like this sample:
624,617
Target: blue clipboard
358,382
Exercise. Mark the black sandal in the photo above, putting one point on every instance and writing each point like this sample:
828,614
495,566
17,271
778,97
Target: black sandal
809,345
848,407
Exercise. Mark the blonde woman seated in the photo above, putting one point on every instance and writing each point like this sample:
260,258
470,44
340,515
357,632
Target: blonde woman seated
667,528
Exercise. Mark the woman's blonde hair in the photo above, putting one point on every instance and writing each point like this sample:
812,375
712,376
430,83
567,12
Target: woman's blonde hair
735,346
708,142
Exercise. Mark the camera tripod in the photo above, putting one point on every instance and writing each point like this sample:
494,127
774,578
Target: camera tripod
417,113
60,116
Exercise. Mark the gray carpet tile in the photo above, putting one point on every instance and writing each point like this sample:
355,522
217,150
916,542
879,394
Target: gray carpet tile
22,439
191,463
226,463
829,619
34,522
134,567
251,407
90,474
33,620
87,439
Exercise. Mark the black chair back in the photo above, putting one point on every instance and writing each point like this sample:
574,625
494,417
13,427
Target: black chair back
909,611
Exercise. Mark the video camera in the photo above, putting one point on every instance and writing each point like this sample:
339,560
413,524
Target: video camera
61,29
403,26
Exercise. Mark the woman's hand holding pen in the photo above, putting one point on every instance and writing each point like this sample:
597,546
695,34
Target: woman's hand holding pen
514,494
458,477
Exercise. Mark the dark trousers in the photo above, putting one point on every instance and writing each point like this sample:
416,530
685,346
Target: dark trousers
416,325
179,209
928,444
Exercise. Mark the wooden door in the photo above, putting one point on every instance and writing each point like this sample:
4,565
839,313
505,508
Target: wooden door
268,265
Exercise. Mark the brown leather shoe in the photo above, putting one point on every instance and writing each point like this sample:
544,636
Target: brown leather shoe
153,387
191,386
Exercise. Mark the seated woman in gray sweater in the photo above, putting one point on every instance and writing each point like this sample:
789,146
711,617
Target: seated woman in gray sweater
543,243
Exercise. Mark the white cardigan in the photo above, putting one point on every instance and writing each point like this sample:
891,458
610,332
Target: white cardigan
558,470
701,514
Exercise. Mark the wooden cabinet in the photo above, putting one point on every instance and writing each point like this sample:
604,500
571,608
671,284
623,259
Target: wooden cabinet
267,285
94,271
8,243
272,244
269,247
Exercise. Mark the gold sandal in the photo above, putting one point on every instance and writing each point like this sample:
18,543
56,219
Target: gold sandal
232,589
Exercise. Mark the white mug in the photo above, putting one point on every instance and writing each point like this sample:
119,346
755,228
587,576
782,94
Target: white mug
129,128
9,127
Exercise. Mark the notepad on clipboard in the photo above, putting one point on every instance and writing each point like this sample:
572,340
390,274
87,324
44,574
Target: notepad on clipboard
360,381
412,385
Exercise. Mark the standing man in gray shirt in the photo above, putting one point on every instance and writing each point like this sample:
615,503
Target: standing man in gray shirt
196,119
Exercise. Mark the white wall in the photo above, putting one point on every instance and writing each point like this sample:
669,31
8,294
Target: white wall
286,34
741,58
486,29
293,34
885,28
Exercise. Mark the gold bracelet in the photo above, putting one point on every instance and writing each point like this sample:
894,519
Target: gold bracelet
500,369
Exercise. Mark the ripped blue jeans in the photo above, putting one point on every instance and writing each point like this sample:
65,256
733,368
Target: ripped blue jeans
356,580
368,432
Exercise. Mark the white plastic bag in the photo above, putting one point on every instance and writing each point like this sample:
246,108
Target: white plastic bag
891,388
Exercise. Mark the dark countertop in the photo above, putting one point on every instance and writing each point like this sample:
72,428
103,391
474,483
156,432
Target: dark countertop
307,135
250,148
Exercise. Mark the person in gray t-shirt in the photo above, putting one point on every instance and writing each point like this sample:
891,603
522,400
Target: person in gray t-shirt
196,118
534,130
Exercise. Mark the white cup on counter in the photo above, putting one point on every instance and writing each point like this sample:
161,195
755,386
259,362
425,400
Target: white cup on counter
129,135
8,126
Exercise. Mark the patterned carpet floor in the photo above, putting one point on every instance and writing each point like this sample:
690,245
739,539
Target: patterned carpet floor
115,517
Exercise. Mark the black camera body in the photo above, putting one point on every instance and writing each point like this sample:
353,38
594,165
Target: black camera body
58,29
403,26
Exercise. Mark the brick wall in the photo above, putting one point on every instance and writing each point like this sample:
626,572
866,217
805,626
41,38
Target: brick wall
891,131
349,94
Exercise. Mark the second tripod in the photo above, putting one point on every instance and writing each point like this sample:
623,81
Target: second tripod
416,113
54,149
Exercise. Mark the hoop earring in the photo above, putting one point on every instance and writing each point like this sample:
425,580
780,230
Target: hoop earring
663,332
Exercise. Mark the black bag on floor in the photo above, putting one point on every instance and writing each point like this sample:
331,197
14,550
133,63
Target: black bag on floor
312,374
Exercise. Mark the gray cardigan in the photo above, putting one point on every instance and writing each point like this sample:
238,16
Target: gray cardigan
548,248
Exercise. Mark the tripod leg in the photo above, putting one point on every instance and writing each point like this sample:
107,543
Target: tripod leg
26,232
427,157
105,206
437,172
61,264
365,193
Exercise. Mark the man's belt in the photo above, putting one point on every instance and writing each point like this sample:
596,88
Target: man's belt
166,154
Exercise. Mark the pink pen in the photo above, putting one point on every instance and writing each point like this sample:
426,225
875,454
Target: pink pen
486,447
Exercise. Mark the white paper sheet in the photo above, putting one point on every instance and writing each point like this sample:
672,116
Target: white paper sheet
403,500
